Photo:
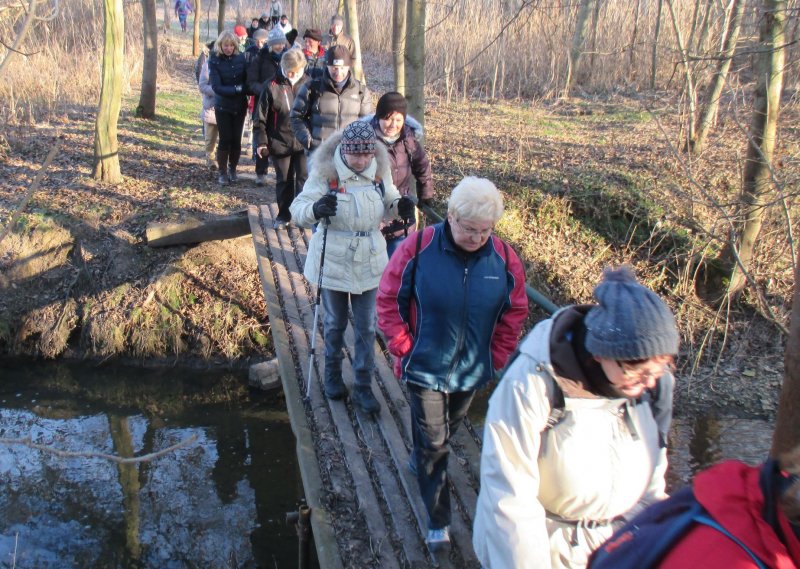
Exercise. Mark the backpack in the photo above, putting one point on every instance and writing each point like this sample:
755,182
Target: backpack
645,540
315,92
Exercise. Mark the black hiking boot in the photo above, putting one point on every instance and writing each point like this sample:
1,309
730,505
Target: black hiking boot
232,174
364,399
334,386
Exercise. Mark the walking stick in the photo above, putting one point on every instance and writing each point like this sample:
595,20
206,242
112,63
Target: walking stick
313,352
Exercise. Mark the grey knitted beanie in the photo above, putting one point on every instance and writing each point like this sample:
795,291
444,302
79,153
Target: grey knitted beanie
630,321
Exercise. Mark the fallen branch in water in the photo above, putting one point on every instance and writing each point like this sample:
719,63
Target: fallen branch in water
113,458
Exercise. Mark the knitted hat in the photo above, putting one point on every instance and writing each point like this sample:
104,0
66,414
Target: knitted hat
338,56
261,34
358,138
276,37
391,102
240,31
313,33
630,321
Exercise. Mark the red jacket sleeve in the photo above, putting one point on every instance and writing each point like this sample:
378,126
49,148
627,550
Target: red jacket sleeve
394,300
507,331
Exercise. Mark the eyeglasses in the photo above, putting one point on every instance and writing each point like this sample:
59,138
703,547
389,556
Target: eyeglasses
470,232
633,369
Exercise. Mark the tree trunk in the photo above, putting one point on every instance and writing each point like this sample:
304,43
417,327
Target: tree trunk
709,114
656,35
634,38
196,29
595,25
147,96
705,29
221,16
341,7
295,13
757,177
787,424
195,231
106,150
167,15
122,440
351,10
578,39
398,44
689,76
415,59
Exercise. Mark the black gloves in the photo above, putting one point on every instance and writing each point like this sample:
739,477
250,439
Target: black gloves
405,207
325,206
238,88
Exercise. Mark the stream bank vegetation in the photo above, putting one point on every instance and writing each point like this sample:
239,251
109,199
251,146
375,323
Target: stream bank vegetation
586,114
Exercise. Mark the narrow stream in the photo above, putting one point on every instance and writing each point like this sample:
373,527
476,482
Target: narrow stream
217,502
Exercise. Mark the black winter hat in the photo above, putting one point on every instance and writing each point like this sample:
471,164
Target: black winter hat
337,55
630,321
391,102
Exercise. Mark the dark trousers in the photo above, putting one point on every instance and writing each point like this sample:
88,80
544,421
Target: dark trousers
230,127
435,416
291,173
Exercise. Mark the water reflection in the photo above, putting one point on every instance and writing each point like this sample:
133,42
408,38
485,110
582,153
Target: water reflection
219,502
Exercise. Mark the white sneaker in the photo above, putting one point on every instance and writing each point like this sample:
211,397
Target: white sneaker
438,539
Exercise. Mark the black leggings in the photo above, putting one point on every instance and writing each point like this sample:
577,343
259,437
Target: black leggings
230,127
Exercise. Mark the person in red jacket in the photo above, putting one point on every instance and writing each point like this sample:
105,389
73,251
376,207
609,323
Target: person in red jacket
451,304
758,505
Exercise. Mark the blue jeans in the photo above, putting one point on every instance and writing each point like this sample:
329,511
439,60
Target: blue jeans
334,325
435,416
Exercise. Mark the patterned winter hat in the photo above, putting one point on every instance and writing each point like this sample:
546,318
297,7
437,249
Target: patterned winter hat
630,321
358,138
276,37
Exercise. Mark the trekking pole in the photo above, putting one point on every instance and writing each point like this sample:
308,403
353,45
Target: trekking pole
326,223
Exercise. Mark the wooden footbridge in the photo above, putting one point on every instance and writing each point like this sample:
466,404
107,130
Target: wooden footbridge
363,502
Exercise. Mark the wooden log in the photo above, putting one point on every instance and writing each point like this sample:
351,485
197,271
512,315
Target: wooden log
197,231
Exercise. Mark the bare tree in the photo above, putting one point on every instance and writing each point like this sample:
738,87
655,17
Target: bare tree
167,15
196,29
578,40
34,11
351,13
691,97
220,16
399,44
787,424
634,38
415,58
147,96
708,116
106,149
656,36
295,12
729,276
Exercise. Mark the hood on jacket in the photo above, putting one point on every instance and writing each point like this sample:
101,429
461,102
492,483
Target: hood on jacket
321,162
410,122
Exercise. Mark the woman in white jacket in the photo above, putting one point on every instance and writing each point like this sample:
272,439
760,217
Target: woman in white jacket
349,188
575,435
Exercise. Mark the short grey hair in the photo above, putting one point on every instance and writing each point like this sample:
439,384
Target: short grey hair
337,18
293,59
475,199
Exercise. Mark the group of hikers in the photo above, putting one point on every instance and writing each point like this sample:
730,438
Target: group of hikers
574,445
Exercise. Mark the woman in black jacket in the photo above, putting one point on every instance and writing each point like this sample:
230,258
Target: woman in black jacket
275,135
227,72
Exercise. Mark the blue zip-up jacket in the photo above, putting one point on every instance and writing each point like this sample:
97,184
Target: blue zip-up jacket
464,316
225,73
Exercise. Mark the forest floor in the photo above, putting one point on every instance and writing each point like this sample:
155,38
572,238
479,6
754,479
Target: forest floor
586,183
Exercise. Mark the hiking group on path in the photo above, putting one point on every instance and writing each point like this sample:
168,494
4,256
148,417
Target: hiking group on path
574,448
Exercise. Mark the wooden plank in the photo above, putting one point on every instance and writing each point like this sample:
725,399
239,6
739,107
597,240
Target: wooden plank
368,501
197,231
324,538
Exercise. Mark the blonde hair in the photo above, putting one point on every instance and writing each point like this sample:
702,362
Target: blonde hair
293,59
475,199
225,36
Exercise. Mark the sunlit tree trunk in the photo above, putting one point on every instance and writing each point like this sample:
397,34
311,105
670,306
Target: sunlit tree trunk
578,40
656,35
399,44
787,425
691,97
595,25
168,6
415,58
351,12
341,7
634,39
106,150
196,29
709,113
295,12
129,482
221,16
147,96
757,177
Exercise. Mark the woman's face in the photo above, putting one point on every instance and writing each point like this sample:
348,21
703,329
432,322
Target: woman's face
228,48
392,125
358,162
630,379
470,234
